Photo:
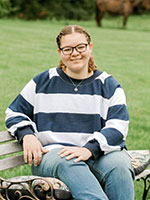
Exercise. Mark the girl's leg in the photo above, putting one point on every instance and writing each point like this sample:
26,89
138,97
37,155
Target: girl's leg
77,176
115,173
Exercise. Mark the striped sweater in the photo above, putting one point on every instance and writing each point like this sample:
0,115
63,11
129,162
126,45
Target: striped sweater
94,117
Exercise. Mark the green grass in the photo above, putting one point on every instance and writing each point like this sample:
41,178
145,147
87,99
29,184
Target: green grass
28,47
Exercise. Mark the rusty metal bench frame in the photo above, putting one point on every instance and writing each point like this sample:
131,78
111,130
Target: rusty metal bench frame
8,145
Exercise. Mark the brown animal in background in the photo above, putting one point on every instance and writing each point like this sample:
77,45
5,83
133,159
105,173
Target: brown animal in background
140,5
120,7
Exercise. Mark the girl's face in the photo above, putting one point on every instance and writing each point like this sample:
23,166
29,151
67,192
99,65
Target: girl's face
76,61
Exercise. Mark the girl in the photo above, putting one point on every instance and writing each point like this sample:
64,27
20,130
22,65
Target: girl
72,121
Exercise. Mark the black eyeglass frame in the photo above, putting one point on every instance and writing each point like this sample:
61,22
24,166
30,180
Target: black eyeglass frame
86,44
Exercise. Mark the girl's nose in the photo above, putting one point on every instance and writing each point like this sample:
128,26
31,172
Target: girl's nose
75,52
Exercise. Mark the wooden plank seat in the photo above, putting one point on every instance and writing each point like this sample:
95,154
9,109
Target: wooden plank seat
36,187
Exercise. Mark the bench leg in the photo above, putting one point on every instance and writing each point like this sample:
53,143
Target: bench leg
146,186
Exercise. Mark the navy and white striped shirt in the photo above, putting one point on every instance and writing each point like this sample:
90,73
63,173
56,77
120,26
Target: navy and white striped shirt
95,116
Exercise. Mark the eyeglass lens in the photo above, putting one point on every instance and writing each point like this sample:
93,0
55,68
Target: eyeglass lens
79,48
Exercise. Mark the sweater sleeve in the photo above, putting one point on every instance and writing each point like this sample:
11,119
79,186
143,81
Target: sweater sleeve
19,115
114,131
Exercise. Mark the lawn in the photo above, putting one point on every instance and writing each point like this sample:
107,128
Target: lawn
29,47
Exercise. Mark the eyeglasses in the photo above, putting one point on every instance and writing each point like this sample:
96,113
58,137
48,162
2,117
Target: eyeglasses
69,50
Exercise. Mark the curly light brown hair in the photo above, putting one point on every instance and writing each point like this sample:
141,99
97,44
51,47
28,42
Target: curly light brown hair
75,29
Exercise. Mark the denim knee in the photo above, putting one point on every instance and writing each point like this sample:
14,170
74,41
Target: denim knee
115,174
117,161
67,165
48,164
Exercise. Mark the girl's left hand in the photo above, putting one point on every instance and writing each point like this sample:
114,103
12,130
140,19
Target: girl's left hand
80,153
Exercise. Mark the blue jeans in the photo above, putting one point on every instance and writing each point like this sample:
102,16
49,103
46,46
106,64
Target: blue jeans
110,177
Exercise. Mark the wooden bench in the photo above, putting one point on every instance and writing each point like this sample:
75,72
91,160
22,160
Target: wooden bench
37,185
25,187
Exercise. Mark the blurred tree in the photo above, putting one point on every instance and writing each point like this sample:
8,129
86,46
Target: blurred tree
28,9
59,9
49,9
5,8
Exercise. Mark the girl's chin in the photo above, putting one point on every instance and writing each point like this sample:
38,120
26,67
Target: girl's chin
76,68
76,63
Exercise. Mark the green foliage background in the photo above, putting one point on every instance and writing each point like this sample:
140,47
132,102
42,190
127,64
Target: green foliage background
53,9
5,8
41,9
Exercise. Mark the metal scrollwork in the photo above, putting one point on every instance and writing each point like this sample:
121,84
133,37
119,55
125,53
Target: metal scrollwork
32,188
146,186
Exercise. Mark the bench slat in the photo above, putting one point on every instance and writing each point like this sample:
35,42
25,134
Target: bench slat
8,148
143,174
5,136
11,162
139,151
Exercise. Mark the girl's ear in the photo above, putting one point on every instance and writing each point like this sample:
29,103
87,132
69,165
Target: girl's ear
91,46
59,51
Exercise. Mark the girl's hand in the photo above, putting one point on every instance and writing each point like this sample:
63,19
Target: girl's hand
32,150
80,153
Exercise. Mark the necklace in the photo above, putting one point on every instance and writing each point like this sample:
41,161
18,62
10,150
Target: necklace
76,86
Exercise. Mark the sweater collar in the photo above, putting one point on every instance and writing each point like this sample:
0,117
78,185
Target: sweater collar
65,77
